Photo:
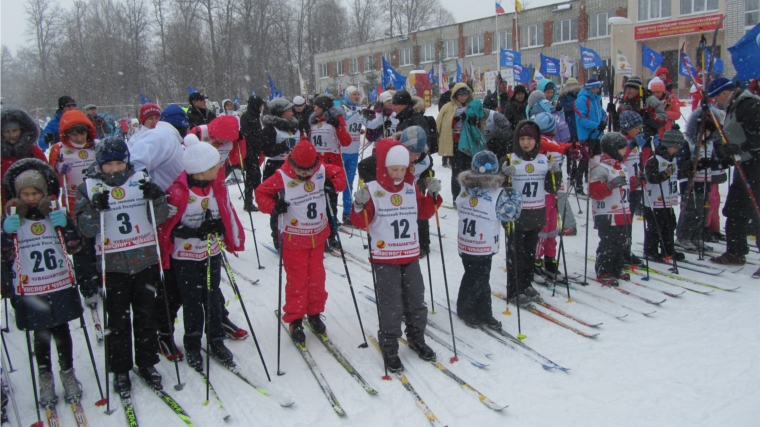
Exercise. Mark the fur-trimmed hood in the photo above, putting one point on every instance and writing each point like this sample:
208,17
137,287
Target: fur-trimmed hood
51,178
279,122
530,155
30,132
418,104
694,127
478,184
334,112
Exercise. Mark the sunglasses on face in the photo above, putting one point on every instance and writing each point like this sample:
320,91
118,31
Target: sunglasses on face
77,130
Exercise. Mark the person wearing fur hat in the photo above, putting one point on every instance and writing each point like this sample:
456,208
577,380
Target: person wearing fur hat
44,299
483,207
296,195
49,135
198,114
117,195
204,215
669,102
250,128
389,208
18,140
640,100
355,121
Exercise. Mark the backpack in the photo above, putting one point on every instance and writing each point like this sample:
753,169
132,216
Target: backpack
432,136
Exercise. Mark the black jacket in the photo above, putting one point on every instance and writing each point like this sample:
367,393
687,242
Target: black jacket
412,115
492,101
250,124
303,119
515,111
199,116
444,99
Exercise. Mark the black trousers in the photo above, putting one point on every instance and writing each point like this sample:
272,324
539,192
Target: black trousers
665,219
131,301
401,295
738,209
613,246
252,170
85,268
173,297
521,244
474,299
691,221
459,163
191,280
63,345
423,228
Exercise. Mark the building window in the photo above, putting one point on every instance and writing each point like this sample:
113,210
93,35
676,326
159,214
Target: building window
698,6
405,56
751,12
532,35
566,30
598,25
505,39
339,68
323,73
388,57
427,53
369,63
353,66
654,9
450,49
473,45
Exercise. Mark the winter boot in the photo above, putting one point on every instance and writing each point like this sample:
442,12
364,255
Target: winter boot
194,359
424,250
551,265
636,261
222,353
122,384
520,299
701,244
531,293
47,389
392,361
249,206
538,267
625,276
328,248
165,346
470,321
151,376
728,259
679,256
296,331
315,320
232,331
607,280
687,245
334,242
72,388
491,322
423,350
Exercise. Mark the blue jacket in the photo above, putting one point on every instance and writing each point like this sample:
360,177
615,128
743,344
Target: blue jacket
589,114
567,100
53,127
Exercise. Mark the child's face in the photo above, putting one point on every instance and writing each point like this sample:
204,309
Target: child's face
527,143
304,174
414,156
150,122
77,135
549,93
672,150
396,173
31,196
209,174
633,133
318,111
622,151
113,166
12,135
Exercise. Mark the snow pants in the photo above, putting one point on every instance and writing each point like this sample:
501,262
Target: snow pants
739,210
350,162
521,244
691,222
192,284
614,244
401,296
85,268
305,292
547,237
63,345
712,222
665,219
126,293
474,299
173,298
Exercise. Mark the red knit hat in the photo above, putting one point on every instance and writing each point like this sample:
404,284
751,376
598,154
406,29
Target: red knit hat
149,110
226,128
304,155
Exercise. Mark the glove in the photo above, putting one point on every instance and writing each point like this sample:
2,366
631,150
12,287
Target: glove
670,170
727,162
473,121
508,170
12,224
555,166
63,168
704,164
99,201
433,185
329,187
150,190
460,118
602,126
361,197
280,207
369,114
333,121
387,124
619,181
58,218
172,210
209,226
49,138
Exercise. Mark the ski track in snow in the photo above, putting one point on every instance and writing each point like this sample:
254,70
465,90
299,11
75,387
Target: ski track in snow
693,363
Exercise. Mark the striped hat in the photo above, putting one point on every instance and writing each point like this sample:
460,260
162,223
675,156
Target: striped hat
593,84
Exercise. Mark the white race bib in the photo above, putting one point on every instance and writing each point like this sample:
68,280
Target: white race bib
43,262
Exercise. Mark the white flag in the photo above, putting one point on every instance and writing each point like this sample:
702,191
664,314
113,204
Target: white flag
443,81
622,66
302,83
566,66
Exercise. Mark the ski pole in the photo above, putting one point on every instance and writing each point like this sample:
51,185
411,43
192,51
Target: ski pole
233,283
331,211
99,189
279,292
7,382
588,203
430,283
7,355
561,239
7,322
208,313
250,216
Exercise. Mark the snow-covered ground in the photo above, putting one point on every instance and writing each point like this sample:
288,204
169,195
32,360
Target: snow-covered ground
695,362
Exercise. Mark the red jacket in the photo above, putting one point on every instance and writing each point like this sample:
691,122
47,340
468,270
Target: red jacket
549,145
177,195
69,119
672,106
598,190
267,196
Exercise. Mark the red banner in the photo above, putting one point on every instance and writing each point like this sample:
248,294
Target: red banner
419,82
674,28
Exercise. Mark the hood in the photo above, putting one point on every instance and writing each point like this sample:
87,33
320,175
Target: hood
279,122
73,118
224,112
516,143
418,104
166,128
30,132
23,165
694,125
520,89
332,112
477,184
587,93
254,105
535,97
385,181
456,88
663,70
546,82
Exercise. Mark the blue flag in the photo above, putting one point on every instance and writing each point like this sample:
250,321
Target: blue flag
273,93
327,91
590,59
373,95
431,74
686,68
253,92
508,58
143,100
458,77
191,90
549,66
718,65
650,58
392,76
522,73
745,54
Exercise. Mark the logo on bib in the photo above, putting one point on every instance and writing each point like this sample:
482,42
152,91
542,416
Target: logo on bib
293,184
83,154
614,206
68,151
380,244
319,125
187,246
659,197
38,228
191,199
294,222
530,168
108,241
379,194
411,168
473,202
24,279
118,193
396,200
308,186
204,204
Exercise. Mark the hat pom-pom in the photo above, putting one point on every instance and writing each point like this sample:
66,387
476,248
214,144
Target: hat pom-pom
191,139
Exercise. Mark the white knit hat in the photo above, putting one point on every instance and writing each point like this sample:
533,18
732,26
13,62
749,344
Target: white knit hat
398,155
199,156
351,89
385,96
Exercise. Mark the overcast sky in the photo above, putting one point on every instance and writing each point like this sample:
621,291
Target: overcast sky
14,31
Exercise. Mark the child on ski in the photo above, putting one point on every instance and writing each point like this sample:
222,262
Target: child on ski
609,187
115,195
204,213
482,206
414,138
389,207
43,293
296,193
638,153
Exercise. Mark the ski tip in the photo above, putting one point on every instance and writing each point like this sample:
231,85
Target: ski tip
386,378
453,360
521,337
101,402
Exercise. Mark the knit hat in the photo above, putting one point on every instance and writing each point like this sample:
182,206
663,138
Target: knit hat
530,129
656,85
278,106
398,155
520,89
11,124
111,149
175,116
149,110
719,85
629,120
199,156
414,139
349,90
31,178
546,123
485,162
462,91
135,121
196,96
385,96
633,81
611,143
66,101
225,128
298,101
571,81
90,107
304,155
549,86
673,137
593,84
402,97
324,102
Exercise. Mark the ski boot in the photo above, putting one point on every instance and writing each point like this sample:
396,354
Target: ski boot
232,331
72,388
222,353
728,259
165,342
472,322
315,320
47,389
491,322
607,280
151,376
296,331
122,384
392,361
625,276
531,293
194,359
423,350
551,266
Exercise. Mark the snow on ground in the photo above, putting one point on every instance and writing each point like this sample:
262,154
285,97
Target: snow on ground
692,363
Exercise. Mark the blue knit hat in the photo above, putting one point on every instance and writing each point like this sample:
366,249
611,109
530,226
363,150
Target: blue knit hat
546,123
414,139
629,120
110,149
719,85
593,83
175,116
485,162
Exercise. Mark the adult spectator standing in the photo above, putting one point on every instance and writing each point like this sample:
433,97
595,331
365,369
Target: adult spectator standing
50,135
590,121
250,127
567,97
515,109
445,97
101,127
302,111
498,101
407,111
669,102
641,101
198,114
